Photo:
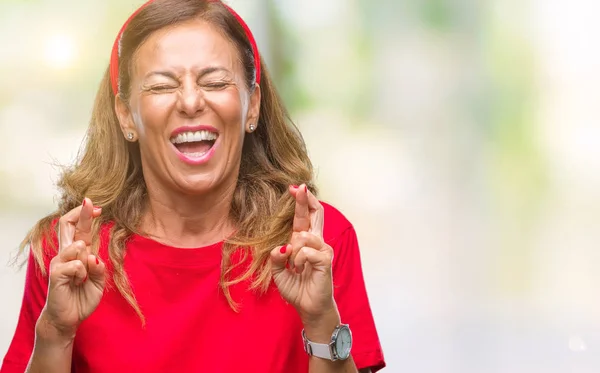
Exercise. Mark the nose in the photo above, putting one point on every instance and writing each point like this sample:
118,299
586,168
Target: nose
191,100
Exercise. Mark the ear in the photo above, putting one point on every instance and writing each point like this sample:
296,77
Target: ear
253,110
125,119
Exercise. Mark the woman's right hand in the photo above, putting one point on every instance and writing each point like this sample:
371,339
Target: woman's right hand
77,278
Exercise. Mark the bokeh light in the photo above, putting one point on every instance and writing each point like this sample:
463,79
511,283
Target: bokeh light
60,51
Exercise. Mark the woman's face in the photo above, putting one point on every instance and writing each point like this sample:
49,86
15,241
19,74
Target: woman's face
189,108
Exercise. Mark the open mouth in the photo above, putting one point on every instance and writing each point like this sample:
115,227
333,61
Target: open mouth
194,144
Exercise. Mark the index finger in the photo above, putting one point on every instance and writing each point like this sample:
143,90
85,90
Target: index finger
302,214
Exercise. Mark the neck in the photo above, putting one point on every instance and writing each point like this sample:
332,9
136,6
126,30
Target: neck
186,221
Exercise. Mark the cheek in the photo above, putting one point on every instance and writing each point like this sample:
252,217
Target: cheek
152,112
228,106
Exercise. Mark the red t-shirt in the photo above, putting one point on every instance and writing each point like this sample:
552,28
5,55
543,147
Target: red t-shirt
189,324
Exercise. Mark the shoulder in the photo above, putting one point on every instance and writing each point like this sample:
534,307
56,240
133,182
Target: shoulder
335,223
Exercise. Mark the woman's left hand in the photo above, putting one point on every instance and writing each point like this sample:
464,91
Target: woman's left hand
302,269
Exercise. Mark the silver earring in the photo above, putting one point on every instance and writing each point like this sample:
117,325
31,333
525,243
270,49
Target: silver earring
130,136
252,128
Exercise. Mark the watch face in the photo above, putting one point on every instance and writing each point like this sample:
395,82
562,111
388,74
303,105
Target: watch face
343,343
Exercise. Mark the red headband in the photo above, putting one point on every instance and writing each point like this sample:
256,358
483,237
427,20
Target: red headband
114,58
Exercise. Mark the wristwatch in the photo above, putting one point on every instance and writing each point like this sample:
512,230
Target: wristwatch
338,349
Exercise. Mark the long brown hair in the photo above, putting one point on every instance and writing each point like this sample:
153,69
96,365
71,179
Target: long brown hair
109,169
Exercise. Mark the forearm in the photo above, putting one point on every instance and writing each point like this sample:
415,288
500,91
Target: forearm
320,332
323,366
318,365
52,352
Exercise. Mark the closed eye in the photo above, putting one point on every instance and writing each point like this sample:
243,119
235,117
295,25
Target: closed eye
216,85
161,87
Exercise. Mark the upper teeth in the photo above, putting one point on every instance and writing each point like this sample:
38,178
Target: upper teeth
194,136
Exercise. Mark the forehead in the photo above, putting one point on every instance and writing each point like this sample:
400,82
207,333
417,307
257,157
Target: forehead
189,45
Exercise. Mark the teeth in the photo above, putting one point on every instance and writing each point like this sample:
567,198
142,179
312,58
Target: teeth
194,136
195,155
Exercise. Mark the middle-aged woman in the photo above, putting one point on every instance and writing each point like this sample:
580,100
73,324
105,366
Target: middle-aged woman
189,237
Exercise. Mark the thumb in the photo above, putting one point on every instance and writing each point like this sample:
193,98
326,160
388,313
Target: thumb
279,258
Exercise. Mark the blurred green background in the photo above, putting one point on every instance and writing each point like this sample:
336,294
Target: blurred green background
460,137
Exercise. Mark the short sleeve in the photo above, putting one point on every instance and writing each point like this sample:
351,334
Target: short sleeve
351,297
34,299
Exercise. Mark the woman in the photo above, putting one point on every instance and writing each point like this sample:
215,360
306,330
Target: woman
205,248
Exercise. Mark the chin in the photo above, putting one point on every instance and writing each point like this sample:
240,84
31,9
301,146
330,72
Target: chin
200,183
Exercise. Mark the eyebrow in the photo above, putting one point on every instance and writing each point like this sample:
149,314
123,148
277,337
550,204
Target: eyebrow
203,72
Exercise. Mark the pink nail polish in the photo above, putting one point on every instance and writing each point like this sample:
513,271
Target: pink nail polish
85,279
295,186
305,189
83,204
97,261
283,249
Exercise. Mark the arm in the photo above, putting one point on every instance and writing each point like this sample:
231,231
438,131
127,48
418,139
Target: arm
352,304
75,287
351,299
320,332
323,291
52,351
54,305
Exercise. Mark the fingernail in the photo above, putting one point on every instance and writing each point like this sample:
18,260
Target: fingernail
283,249
85,279
295,186
97,261
83,204
287,265
305,189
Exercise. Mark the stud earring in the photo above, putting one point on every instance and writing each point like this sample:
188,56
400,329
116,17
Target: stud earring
252,128
130,136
